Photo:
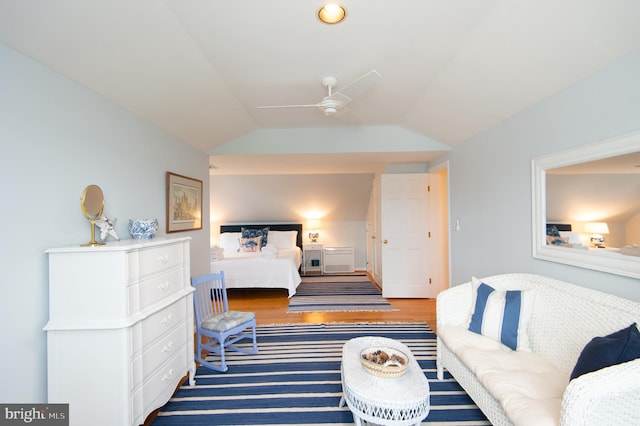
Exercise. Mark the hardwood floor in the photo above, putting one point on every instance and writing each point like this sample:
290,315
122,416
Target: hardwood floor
270,306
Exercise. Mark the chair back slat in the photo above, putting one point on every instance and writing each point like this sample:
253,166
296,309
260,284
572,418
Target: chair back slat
210,296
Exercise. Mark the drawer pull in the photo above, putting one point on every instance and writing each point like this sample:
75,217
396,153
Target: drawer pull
168,347
163,259
164,286
168,376
166,320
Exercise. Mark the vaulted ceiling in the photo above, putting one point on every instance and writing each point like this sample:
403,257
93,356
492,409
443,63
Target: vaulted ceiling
200,68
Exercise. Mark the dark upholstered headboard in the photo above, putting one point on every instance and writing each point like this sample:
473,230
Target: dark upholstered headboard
272,227
561,226
558,226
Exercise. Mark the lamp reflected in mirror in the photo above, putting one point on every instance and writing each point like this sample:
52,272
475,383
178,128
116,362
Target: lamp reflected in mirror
596,229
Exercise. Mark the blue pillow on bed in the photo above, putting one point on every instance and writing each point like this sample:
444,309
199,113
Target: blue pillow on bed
252,233
615,348
250,245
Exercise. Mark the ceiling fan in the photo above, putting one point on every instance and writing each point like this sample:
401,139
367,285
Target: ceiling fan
336,100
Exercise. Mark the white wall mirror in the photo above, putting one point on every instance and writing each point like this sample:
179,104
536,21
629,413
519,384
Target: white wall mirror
589,187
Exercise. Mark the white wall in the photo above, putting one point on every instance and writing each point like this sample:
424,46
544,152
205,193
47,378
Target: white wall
345,234
57,137
632,228
490,176
340,200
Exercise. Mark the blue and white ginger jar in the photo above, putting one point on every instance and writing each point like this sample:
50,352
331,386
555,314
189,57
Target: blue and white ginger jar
143,229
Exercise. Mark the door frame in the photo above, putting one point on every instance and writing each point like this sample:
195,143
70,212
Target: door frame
443,193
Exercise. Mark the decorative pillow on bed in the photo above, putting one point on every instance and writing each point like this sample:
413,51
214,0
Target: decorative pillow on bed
283,239
557,241
250,245
230,242
251,233
501,315
615,348
572,237
552,231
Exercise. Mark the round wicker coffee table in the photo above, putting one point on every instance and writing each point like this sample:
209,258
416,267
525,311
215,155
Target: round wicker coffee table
400,400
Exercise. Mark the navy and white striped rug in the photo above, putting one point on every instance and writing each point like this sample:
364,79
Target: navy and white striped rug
337,294
295,380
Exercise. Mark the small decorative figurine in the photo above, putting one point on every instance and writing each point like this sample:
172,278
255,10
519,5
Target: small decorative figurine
107,227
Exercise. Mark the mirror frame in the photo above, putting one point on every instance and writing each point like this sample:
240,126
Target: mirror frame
613,263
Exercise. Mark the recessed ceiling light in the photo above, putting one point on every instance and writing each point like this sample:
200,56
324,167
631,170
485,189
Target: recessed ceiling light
332,13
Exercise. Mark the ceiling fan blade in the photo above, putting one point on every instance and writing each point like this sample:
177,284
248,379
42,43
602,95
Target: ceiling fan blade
287,106
359,85
339,97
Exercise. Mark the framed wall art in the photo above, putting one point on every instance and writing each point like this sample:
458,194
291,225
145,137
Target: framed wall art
184,203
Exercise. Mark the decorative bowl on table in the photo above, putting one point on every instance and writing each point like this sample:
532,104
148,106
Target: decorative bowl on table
382,361
143,229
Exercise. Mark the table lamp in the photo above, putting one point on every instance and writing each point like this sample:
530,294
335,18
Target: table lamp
313,226
596,229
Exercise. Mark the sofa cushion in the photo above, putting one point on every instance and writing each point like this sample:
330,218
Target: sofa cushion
458,338
528,387
615,348
501,315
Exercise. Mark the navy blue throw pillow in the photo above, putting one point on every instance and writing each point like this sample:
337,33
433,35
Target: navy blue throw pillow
252,233
616,348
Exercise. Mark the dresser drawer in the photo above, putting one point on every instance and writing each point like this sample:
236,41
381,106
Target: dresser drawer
154,260
161,351
157,288
163,321
158,388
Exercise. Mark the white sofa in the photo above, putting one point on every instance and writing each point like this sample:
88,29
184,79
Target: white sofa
533,388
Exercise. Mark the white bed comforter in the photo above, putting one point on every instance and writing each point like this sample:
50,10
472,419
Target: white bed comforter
249,270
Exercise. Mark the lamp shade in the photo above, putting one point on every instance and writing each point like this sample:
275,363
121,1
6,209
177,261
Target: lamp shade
596,228
314,224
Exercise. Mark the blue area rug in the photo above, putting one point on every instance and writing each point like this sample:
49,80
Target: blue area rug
337,294
295,380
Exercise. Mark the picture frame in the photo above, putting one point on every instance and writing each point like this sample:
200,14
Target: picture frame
184,203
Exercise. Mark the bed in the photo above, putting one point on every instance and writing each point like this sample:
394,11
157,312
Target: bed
248,261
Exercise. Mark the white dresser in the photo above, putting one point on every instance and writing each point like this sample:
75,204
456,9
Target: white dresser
120,330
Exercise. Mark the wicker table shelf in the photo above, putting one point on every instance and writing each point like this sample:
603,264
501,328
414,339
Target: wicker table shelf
394,401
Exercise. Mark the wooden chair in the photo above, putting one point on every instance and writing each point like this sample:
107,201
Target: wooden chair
216,324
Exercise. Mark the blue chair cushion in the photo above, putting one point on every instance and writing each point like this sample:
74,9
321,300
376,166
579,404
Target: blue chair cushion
227,320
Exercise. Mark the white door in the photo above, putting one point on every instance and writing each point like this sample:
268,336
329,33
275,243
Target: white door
404,226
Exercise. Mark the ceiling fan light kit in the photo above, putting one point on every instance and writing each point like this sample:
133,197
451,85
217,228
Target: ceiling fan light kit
332,13
329,111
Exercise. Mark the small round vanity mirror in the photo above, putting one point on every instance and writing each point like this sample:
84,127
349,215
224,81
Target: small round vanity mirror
92,205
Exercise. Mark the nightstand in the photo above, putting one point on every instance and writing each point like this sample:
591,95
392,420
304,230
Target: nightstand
312,259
